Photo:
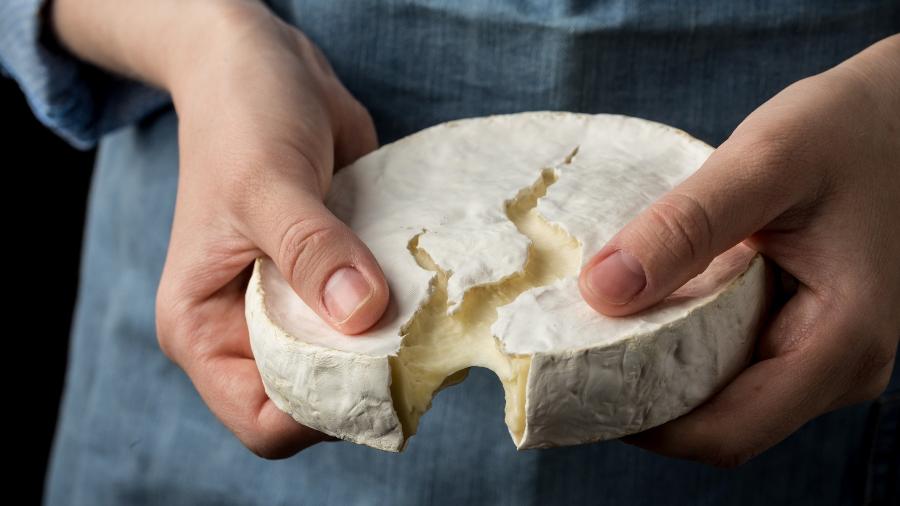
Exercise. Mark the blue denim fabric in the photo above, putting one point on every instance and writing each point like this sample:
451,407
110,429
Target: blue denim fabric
74,99
133,430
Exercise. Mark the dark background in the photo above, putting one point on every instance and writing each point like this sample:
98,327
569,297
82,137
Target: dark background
47,193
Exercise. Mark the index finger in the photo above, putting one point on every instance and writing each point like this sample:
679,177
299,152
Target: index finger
802,378
225,374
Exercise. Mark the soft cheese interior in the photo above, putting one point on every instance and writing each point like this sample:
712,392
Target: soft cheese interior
481,227
438,342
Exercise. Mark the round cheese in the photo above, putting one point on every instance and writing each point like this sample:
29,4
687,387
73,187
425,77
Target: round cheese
481,227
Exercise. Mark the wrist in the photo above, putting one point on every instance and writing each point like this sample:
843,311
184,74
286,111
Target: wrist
156,42
223,56
215,38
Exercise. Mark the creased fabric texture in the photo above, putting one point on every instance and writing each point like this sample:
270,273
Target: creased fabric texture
134,431
74,99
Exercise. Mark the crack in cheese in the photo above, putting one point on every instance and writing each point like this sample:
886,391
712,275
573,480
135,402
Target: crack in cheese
438,343
482,262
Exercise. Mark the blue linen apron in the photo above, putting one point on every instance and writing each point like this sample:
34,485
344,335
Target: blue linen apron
133,430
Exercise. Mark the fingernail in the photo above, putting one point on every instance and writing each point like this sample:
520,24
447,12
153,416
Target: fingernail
617,278
345,291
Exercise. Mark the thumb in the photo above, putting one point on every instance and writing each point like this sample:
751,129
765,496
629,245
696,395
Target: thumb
675,238
327,265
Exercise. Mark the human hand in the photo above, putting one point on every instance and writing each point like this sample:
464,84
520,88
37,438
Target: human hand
262,121
811,179
259,132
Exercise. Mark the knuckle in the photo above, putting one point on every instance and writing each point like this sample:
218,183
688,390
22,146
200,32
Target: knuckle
306,244
361,112
875,368
268,449
867,366
681,225
177,327
364,123
319,58
726,452
727,456
165,323
877,384
728,460
172,335
261,450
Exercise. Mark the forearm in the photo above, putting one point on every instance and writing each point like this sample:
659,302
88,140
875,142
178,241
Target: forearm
150,40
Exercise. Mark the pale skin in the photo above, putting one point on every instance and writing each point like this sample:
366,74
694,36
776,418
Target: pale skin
811,179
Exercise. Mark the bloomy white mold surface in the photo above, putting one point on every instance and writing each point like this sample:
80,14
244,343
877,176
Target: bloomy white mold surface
481,227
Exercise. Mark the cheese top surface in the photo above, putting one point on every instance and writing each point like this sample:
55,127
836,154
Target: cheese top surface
482,227
449,186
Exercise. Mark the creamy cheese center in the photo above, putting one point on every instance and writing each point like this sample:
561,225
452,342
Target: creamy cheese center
438,347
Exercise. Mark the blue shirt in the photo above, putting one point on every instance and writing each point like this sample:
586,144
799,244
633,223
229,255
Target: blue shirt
76,100
134,430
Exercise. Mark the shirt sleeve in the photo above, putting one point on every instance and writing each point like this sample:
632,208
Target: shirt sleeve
78,101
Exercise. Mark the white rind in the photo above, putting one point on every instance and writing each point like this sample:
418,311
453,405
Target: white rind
642,380
343,394
448,184
452,250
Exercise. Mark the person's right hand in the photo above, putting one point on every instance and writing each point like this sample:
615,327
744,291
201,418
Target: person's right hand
263,120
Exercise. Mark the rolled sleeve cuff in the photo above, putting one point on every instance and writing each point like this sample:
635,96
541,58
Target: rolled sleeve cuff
76,100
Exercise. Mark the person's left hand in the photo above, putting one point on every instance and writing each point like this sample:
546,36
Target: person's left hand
811,179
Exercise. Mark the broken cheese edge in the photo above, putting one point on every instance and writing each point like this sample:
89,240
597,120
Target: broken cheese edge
554,398
307,371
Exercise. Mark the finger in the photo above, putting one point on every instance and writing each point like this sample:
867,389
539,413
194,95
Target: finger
226,376
769,400
355,135
326,264
734,194
232,388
